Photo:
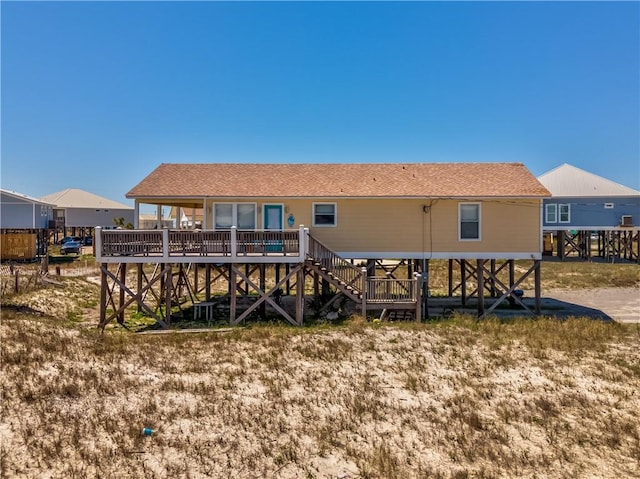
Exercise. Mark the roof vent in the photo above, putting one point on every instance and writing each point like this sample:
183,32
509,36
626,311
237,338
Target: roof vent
626,220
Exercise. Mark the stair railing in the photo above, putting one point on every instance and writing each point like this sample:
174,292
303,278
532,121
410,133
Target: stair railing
341,269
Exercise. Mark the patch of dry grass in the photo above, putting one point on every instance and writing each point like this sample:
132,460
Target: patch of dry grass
454,399
450,399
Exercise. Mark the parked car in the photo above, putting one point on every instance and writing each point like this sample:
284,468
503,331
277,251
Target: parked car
88,240
70,247
66,239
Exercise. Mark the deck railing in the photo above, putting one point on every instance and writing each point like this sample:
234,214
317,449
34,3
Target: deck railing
227,246
383,290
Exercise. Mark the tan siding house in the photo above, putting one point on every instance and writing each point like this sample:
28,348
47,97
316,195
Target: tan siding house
375,211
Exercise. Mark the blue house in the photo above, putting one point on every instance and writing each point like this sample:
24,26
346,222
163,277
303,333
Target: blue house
587,212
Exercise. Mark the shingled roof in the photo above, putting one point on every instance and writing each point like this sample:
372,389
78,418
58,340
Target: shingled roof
353,180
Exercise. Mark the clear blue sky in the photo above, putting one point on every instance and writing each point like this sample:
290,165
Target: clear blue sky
96,95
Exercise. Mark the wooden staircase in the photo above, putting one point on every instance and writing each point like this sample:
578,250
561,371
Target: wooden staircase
345,276
368,292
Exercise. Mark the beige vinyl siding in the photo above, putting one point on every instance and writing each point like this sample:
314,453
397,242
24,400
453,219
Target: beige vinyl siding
393,225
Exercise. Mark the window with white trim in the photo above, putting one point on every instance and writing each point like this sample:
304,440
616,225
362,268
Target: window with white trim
564,213
469,221
551,213
240,215
325,214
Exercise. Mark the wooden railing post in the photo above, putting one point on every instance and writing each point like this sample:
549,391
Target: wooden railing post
165,243
303,242
364,292
97,243
234,241
417,287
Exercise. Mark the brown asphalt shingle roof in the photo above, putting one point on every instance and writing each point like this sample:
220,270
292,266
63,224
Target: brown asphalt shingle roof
339,180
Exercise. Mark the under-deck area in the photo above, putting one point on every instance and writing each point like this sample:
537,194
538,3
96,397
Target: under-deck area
290,274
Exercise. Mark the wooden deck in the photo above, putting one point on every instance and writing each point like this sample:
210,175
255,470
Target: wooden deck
186,246
226,251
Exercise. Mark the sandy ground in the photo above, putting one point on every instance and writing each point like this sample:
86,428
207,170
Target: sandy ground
617,304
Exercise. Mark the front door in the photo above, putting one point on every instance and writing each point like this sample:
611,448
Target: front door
272,218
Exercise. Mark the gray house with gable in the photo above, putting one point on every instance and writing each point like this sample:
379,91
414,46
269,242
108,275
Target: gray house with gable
78,212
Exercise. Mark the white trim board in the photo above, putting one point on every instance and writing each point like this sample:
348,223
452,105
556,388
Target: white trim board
439,255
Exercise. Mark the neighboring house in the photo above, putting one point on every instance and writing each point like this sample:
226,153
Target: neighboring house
77,211
583,205
149,222
188,217
23,225
372,211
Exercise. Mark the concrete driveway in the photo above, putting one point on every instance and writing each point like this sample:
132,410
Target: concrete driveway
617,304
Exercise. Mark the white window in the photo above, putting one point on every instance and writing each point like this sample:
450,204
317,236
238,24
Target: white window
469,221
240,215
564,213
324,214
551,213
246,216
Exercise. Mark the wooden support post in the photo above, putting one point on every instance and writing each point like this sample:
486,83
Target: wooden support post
425,289
463,281
103,294
512,272
168,294
195,278
232,293
263,286
300,296
416,294
560,244
371,267
277,272
207,280
45,260
492,283
162,284
16,281
123,282
450,278
287,270
365,282
139,284
480,275
538,282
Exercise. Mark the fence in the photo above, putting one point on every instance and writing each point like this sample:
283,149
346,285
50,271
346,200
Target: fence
25,277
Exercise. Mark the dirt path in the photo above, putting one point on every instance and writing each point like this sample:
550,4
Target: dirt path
618,304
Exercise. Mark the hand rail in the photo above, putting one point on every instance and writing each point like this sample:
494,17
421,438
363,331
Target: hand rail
341,269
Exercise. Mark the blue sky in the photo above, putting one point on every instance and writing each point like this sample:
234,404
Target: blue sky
95,95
